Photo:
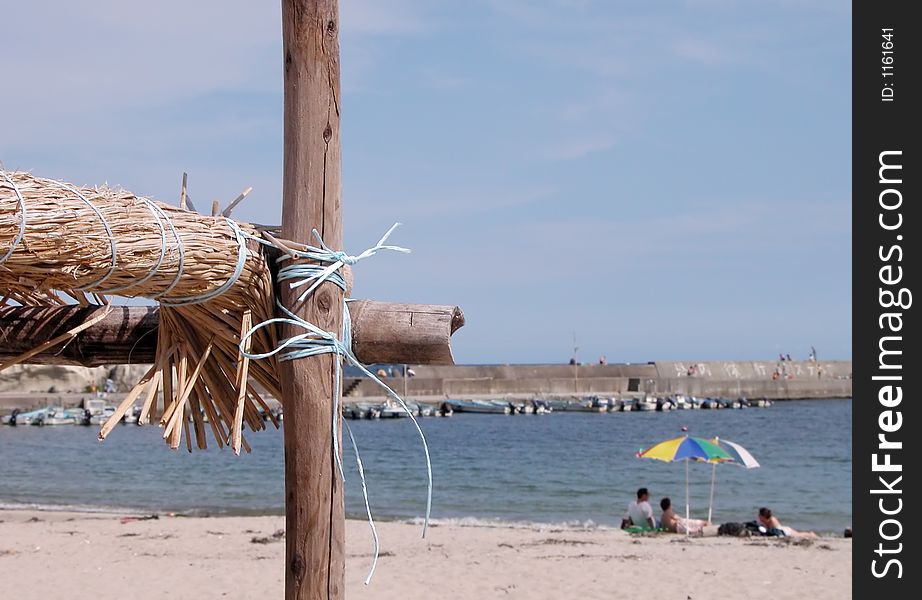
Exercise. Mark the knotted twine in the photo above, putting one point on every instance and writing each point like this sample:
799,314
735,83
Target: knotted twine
315,341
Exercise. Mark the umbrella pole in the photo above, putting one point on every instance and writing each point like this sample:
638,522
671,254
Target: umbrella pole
711,505
687,517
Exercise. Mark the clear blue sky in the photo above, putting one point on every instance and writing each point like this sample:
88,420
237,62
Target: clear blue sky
666,180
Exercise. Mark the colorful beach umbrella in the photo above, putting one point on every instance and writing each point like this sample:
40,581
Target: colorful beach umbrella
689,449
741,457
686,448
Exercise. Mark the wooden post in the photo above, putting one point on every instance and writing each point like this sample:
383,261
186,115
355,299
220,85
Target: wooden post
315,526
382,332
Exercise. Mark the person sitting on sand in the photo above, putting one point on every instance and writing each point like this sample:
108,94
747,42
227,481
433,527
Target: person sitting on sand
639,512
675,524
772,525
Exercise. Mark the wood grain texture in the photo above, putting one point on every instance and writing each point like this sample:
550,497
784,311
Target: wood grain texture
404,333
126,335
382,332
311,193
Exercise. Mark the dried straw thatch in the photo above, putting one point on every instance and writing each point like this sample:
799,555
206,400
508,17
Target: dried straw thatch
64,244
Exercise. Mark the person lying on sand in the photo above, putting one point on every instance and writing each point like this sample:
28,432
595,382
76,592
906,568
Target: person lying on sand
770,522
673,523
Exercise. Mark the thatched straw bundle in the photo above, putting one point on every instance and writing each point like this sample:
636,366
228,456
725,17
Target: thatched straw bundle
211,278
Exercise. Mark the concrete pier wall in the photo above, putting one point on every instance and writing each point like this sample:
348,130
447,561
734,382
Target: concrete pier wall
30,386
725,379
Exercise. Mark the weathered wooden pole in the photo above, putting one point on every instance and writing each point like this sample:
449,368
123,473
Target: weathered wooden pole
382,332
315,526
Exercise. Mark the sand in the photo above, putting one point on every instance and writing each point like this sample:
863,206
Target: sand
52,555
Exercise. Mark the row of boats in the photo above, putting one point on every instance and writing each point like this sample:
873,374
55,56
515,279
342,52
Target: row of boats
596,404
97,412
91,412
653,403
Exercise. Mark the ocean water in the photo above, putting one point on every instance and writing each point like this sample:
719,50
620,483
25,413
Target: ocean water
576,468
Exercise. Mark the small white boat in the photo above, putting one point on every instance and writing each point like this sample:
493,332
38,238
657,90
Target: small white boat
18,417
131,415
362,410
647,404
480,407
54,415
541,407
393,412
96,411
586,404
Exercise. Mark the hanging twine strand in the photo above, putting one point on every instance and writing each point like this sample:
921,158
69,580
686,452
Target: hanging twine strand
315,341
371,521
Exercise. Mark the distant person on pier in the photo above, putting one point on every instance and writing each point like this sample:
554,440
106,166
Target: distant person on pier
572,361
639,512
603,360
787,357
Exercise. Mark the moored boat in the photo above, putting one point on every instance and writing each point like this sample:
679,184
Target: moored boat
394,411
54,415
480,407
19,417
646,404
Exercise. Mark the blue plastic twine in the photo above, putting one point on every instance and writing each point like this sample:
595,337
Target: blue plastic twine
315,341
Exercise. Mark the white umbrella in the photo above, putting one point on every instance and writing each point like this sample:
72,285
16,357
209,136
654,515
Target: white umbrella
741,457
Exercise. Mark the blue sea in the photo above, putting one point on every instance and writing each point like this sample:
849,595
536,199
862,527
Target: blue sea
560,468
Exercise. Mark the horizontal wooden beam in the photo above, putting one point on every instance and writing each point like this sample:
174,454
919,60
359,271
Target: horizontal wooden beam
381,333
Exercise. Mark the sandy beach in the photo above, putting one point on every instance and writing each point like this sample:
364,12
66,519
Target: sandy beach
100,556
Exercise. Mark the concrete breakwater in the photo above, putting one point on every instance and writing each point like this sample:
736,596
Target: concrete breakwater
784,380
34,386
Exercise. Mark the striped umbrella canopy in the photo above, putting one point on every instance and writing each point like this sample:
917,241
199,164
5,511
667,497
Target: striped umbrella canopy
686,448
740,456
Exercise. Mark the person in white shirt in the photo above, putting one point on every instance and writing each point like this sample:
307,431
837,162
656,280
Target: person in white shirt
639,512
